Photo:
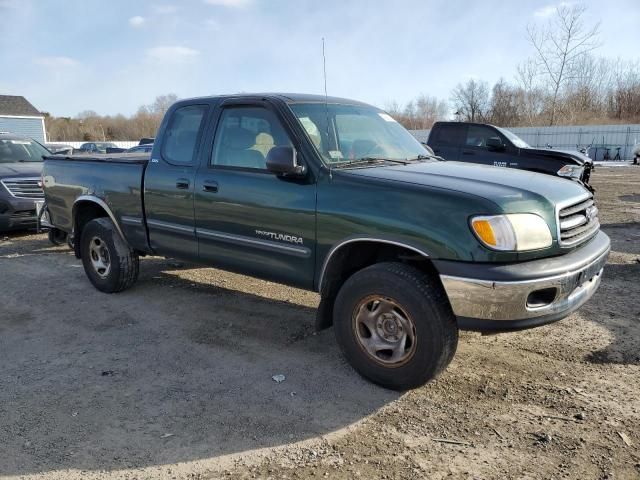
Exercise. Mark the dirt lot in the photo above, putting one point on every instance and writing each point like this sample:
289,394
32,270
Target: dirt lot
172,379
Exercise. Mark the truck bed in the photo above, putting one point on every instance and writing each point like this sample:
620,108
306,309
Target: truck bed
116,180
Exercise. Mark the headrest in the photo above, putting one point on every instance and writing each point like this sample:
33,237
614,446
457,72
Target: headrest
264,139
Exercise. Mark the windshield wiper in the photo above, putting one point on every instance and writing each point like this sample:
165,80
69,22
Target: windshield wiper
426,157
369,161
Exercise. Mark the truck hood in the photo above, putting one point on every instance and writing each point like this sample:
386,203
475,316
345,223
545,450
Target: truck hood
511,189
26,169
578,157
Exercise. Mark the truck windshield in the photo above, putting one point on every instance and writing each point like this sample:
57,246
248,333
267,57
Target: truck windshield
13,150
516,140
348,133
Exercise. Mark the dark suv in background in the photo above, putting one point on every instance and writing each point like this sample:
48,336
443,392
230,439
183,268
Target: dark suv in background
491,145
20,189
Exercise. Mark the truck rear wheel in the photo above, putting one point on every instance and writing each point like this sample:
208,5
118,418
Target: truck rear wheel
395,326
108,261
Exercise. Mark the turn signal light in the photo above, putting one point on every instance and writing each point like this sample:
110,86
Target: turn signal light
485,232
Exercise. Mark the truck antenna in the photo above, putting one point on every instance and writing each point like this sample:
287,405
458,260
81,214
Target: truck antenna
326,102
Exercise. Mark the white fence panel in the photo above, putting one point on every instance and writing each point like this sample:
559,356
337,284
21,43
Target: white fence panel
119,143
605,142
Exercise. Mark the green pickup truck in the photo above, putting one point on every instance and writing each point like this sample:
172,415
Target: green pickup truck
333,195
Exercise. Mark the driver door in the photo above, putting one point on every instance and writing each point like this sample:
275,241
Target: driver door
475,148
248,219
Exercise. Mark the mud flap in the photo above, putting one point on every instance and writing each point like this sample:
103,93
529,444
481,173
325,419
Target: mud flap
324,314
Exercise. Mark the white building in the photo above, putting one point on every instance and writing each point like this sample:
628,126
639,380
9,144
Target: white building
18,116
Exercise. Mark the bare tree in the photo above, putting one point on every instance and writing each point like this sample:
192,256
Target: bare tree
505,106
584,95
471,100
420,113
162,103
623,97
429,110
532,96
409,116
560,46
89,125
86,114
393,108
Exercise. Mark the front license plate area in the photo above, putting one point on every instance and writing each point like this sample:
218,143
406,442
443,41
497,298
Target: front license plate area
591,271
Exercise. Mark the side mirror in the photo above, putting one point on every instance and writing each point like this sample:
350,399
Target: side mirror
283,161
495,144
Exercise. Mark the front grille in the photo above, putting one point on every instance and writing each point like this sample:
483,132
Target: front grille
577,223
24,187
23,214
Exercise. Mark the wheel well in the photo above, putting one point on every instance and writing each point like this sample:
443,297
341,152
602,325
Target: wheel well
355,256
85,211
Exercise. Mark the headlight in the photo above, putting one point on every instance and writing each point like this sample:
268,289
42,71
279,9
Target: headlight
512,232
572,171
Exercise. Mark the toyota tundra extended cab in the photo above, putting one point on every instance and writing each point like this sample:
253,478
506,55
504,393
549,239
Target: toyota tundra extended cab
333,195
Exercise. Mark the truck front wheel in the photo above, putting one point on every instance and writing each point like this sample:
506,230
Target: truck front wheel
395,326
108,261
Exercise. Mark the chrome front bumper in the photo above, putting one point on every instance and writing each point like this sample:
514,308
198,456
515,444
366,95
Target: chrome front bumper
484,304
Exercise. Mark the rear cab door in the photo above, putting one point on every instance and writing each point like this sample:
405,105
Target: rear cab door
248,219
446,139
169,181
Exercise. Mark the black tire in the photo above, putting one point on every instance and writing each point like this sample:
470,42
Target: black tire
121,263
57,236
414,295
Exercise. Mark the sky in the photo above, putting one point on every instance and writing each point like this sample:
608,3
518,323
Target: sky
112,56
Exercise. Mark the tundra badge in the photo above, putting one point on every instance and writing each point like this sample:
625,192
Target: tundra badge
280,236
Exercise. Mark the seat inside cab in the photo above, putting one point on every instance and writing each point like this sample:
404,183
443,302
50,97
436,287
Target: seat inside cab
245,137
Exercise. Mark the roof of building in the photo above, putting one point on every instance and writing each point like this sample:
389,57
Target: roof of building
17,106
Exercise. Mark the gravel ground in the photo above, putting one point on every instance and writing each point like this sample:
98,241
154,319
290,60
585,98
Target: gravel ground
173,379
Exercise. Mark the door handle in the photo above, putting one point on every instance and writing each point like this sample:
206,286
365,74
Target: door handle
210,186
182,183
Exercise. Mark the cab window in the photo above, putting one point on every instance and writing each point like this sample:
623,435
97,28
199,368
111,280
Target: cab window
477,136
244,137
181,135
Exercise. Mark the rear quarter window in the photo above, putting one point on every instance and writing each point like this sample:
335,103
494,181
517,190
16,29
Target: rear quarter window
181,135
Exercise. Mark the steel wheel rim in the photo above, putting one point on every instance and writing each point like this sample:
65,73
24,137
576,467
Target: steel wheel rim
99,256
384,331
